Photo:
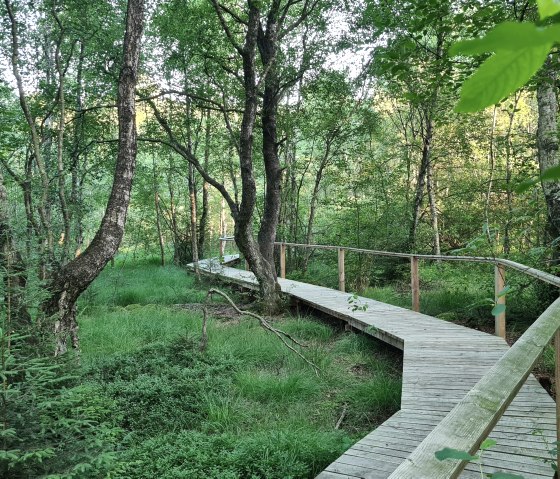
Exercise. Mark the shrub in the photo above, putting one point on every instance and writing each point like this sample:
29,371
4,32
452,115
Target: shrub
284,454
50,424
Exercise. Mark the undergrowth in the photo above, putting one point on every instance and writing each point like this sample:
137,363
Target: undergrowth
147,403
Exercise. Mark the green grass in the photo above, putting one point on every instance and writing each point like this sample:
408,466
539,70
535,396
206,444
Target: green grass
247,407
142,283
108,330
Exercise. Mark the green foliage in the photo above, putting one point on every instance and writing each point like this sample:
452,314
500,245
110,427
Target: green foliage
548,8
449,453
284,387
279,454
498,309
141,283
356,304
247,407
151,385
501,75
51,425
520,49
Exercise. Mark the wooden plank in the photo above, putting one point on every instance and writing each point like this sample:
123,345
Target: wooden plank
341,273
415,283
557,387
500,299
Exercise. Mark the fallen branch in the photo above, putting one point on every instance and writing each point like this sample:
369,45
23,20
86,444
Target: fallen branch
282,335
342,416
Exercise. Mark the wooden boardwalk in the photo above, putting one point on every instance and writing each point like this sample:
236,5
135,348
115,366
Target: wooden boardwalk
442,362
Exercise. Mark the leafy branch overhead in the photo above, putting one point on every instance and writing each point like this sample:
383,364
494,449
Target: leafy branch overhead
518,51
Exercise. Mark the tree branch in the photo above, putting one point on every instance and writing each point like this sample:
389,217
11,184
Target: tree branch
218,9
185,153
281,335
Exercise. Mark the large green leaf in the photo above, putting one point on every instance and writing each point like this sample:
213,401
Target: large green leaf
504,291
508,36
498,309
552,173
487,444
499,76
505,475
448,453
548,8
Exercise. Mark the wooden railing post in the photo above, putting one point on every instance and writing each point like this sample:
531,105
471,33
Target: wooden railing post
557,386
222,247
283,260
500,298
341,277
415,283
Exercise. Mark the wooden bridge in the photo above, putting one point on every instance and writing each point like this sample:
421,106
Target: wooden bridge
460,385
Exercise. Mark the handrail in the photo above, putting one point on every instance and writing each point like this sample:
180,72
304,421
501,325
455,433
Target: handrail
474,417
528,270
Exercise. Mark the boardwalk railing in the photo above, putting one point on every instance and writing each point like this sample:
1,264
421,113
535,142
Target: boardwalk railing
474,417
500,266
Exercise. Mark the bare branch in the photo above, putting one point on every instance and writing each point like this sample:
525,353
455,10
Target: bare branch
308,8
217,105
282,335
185,153
218,9
232,14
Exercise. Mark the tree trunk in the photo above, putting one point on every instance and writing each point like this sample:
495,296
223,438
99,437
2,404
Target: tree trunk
547,146
204,217
46,230
75,277
193,219
158,212
259,256
76,212
420,184
313,202
491,167
11,263
433,206
509,189
61,73
192,194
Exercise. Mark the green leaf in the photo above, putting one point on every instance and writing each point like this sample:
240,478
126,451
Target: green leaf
548,8
526,185
448,453
488,443
551,174
503,292
505,475
499,76
498,309
508,36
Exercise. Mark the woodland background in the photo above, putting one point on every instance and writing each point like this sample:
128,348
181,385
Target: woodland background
305,121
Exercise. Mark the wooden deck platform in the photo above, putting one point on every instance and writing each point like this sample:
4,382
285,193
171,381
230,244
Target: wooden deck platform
442,362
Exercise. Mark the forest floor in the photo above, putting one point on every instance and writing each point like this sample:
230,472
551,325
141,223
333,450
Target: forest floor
247,407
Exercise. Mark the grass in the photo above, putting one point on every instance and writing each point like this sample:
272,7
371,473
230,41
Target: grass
247,407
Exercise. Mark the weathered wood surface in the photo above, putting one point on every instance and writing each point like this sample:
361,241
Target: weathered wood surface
442,363
500,298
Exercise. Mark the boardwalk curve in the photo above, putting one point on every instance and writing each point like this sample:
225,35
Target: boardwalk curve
441,364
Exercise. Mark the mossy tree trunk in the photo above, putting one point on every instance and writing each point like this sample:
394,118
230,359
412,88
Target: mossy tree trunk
72,279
